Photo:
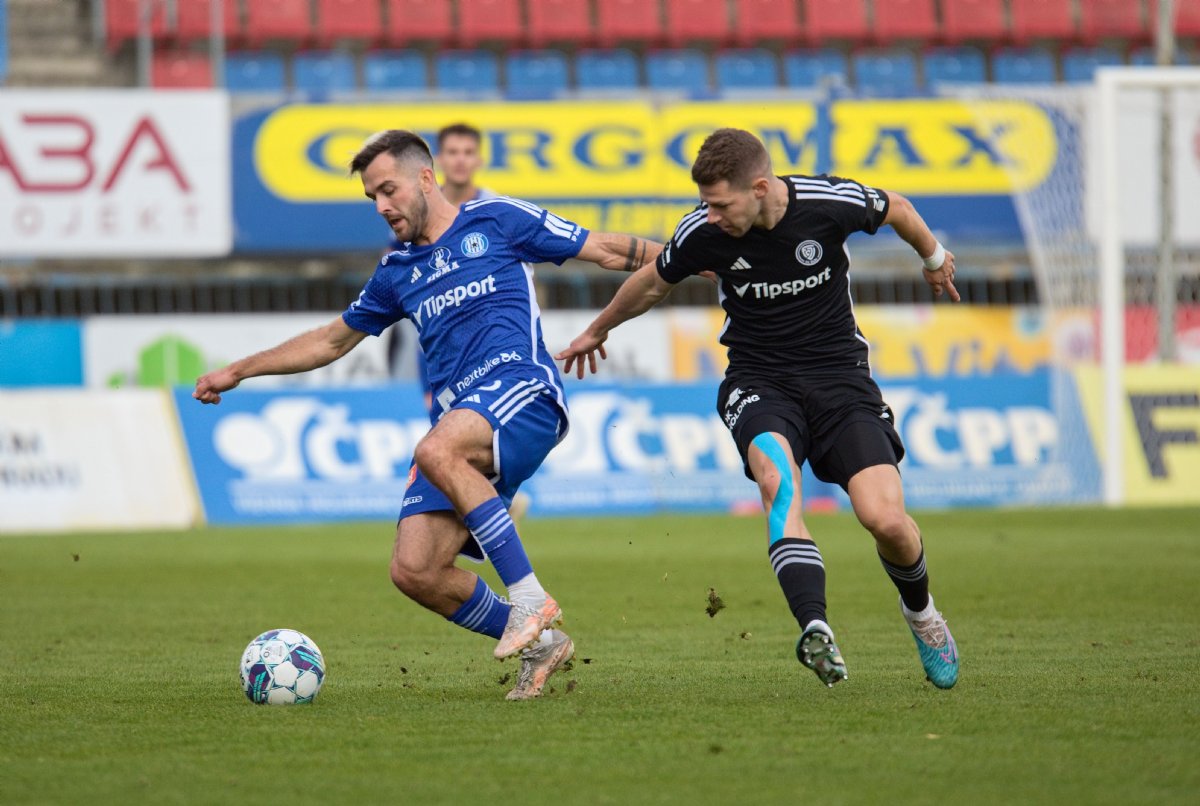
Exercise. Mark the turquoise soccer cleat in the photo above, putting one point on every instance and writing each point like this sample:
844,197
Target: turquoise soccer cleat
935,645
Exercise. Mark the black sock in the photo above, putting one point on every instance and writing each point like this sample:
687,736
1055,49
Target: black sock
912,581
801,572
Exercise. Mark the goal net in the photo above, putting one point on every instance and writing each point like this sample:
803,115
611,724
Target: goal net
1113,234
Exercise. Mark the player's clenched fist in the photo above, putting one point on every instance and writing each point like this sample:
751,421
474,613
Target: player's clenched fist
209,387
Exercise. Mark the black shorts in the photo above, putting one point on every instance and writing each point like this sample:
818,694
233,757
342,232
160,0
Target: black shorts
838,423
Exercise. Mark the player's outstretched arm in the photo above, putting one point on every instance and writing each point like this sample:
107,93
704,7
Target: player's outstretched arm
939,261
619,252
641,292
310,350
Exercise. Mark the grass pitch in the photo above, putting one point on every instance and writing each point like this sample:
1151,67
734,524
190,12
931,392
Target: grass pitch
1079,631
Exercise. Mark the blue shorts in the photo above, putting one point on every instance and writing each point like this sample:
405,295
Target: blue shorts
527,423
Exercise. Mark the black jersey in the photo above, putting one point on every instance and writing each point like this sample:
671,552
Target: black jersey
785,291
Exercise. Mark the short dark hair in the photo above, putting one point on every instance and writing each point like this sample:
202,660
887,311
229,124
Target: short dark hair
399,143
733,155
459,130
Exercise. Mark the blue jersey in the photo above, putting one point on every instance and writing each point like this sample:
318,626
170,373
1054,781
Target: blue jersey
471,296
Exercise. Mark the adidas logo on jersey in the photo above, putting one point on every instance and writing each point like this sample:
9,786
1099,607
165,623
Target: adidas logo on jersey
741,264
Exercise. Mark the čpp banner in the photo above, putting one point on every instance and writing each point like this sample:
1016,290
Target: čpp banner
312,455
114,173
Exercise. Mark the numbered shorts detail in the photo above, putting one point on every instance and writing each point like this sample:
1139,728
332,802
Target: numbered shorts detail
839,424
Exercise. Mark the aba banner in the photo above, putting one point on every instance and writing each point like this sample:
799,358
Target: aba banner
625,165
114,173
302,456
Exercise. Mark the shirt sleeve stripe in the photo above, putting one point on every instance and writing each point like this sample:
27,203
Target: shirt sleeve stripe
832,197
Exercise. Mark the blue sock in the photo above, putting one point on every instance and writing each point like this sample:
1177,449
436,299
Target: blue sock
484,612
491,526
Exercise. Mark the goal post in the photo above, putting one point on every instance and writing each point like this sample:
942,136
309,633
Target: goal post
1176,91
1113,236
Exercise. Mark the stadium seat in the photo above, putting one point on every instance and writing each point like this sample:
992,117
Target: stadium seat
954,66
1100,19
360,20
886,74
681,70
467,71
1042,19
319,73
973,19
193,20
536,73
122,23
1023,66
1079,64
268,20
395,71
904,19
691,21
749,68
835,19
255,72
489,21
615,69
411,21
1187,17
757,21
628,21
805,69
170,70
563,21
1146,57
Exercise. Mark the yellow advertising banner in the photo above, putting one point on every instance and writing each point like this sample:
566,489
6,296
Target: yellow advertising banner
1160,422
639,151
933,341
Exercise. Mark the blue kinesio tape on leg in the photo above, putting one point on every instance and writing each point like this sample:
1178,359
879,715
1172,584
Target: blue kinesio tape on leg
783,496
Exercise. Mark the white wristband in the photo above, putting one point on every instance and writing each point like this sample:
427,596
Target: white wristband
935,261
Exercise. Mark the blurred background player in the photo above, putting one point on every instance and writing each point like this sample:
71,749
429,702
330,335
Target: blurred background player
462,277
799,384
458,158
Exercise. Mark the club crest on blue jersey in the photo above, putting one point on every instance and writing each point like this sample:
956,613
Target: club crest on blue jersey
474,244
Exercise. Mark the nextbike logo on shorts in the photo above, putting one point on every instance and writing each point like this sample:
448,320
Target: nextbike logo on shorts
433,306
792,288
485,368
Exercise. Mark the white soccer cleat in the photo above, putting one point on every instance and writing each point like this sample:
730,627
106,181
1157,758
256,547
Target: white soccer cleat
525,625
539,662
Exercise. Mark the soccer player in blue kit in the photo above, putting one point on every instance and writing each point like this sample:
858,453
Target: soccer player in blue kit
464,279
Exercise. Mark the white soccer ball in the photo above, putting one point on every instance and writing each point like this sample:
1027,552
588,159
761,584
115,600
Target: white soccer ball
282,667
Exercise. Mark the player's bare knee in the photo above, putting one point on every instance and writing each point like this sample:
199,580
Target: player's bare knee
890,525
431,457
416,582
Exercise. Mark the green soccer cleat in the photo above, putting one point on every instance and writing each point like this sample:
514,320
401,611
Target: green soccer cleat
817,651
935,645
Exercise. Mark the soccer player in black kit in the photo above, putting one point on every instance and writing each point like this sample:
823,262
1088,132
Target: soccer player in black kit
799,387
